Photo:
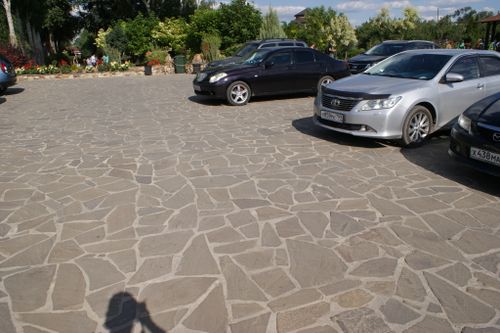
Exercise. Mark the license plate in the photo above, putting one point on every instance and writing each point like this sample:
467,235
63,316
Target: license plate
332,116
485,156
196,87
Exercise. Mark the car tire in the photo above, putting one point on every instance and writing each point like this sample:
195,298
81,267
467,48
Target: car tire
416,127
327,79
238,93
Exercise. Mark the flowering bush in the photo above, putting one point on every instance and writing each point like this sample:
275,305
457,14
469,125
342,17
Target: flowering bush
153,62
30,68
14,55
156,57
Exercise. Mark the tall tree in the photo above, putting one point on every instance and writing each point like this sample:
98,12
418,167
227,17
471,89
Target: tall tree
10,22
271,26
239,21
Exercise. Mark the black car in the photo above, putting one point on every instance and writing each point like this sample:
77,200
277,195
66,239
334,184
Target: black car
475,138
270,72
7,74
249,47
379,52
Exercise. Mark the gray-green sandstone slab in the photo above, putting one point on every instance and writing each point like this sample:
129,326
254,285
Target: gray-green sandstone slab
457,273
269,237
319,329
430,324
240,310
274,282
257,324
475,242
420,260
315,222
380,267
197,259
361,320
100,272
75,322
69,289
164,244
460,307
398,313
28,290
239,286
64,251
152,268
211,315
5,319
409,286
298,318
299,298
313,265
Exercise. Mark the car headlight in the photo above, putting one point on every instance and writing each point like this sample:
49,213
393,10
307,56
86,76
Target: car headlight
465,123
379,104
217,77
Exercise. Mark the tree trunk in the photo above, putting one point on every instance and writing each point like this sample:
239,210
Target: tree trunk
10,23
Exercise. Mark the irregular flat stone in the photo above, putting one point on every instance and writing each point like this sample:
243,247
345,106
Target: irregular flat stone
420,260
245,309
211,315
487,280
215,181
28,212
180,199
431,324
168,320
282,196
250,203
301,297
380,235
100,301
164,244
409,286
253,325
490,262
125,260
270,213
239,286
224,235
197,259
241,218
256,259
387,207
6,321
314,222
65,251
398,313
475,242
10,246
458,273
305,316
244,190
318,329
251,230
110,246
69,289
159,218
460,307
385,288
344,225
313,265
490,297
34,255
353,299
339,286
120,218
358,251
70,230
92,236
174,293
236,247
100,272
152,268
380,267
428,242
274,282
28,290
443,226
186,218
361,320
423,204
269,237
289,228
480,330
62,321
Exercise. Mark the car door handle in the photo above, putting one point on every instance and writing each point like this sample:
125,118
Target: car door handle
480,86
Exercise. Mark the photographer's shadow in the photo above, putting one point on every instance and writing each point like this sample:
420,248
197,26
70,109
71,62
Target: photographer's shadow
124,312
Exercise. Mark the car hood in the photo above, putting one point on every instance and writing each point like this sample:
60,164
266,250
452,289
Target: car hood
365,58
226,61
486,110
363,84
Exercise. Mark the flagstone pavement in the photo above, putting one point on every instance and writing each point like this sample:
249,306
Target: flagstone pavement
129,204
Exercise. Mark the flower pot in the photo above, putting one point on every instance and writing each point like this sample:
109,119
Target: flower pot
148,70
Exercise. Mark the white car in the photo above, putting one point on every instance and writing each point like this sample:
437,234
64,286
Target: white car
409,95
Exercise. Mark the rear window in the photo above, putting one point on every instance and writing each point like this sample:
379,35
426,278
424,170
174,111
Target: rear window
268,45
489,66
302,57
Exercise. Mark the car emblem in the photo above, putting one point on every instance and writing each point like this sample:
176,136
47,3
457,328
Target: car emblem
496,137
336,102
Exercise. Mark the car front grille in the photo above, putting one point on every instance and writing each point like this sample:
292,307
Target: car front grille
339,103
489,132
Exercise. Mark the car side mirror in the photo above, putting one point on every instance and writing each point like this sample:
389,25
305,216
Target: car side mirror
453,77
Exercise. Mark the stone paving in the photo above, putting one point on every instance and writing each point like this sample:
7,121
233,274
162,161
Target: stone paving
129,204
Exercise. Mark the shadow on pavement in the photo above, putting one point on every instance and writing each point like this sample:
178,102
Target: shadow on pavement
306,126
124,312
13,91
2,100
207,100
433,156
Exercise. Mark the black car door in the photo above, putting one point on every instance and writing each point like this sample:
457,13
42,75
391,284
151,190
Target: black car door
307,70
275,76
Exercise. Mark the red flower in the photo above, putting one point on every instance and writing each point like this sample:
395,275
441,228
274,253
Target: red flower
153,62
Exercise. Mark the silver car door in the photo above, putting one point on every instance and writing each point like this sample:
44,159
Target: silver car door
455,97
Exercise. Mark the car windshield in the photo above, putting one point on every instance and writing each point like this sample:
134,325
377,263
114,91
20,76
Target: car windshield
386,49
257,57
410,66
246,49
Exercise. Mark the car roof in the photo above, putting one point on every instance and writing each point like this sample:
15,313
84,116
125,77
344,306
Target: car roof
453,52
406,41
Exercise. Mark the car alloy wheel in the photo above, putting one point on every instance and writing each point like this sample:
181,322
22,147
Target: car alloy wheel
417,126
325,80
238,93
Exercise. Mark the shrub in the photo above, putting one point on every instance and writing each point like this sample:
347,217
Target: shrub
14,55
103,67
156,57
65,69
210,45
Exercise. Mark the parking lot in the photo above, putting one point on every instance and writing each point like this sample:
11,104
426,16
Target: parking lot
128,202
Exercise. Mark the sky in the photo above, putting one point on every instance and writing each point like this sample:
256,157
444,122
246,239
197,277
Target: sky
360,11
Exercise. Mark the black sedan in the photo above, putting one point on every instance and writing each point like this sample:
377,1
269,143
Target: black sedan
270,72
475,138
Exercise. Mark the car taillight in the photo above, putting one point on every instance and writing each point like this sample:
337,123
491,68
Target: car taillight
4,68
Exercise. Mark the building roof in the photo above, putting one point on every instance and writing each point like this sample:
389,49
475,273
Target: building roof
495,18
301,13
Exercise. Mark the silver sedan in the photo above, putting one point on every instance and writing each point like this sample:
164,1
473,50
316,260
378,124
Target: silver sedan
409,95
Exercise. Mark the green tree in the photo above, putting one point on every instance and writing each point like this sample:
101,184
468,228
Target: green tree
203,21
139,35
188,8
171,33
239,21
315,21
271,26
340,34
